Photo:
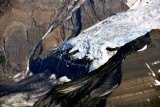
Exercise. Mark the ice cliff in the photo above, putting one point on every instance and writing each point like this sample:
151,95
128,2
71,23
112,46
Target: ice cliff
115,32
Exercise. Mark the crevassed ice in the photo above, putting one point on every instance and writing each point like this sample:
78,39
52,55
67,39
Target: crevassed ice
115,32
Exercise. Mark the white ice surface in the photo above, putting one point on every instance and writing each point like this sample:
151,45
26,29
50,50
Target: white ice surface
115,31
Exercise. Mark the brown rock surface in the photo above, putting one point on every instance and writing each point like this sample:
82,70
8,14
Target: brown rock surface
25,22
138,88
75,16
22,26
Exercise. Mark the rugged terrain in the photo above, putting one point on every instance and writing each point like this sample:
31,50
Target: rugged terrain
25,23
42,42
138,87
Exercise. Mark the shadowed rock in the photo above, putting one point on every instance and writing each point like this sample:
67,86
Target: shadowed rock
138,87
92,89
25,22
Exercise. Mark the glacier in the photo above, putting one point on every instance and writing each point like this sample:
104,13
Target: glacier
114,32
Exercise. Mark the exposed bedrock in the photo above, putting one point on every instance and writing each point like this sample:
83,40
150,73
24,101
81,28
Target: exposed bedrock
139,87
94,88
4,6
24,23
75,16
22,26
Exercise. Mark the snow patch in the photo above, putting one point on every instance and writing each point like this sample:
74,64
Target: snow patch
148,100
64,79
22,75
114,32
130,3
152,73
157,83
110,90
27,72
155,63
18,77
144,48
53,76
137,3
49,30
134,4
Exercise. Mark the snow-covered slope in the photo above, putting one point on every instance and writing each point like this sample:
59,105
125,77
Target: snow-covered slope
115,32
135,4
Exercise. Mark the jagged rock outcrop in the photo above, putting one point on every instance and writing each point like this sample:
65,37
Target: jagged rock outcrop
22,27
4,5
139,87
92,89
24,23
74,17
45,25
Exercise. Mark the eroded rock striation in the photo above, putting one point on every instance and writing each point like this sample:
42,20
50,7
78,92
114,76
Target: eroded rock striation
38,37
92,89
44,25
139,86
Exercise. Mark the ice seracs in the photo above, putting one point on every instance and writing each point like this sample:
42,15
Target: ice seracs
114,32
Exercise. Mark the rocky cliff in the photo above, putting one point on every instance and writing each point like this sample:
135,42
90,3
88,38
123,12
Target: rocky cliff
92,89
34,28
37,37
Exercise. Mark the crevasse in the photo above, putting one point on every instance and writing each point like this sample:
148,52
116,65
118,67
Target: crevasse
115,31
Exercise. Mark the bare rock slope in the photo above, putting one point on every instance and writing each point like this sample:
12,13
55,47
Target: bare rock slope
38,26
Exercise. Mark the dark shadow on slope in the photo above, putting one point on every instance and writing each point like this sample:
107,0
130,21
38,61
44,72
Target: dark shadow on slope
92,89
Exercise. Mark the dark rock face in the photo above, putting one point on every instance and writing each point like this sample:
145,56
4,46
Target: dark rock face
137,88
74,16
69,25
4,5
24,23
92,89
61,64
